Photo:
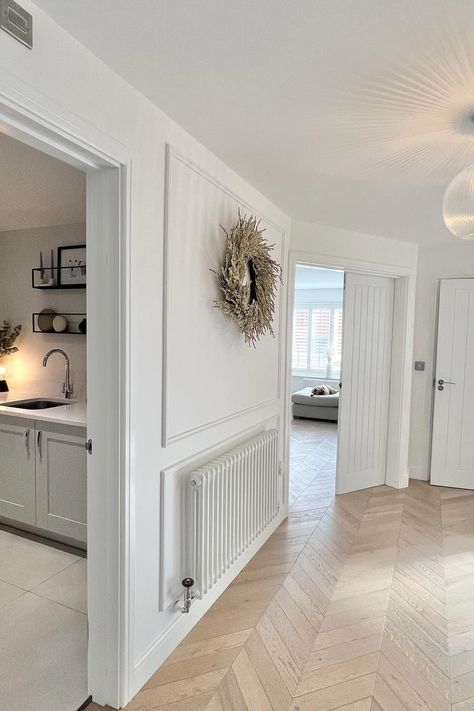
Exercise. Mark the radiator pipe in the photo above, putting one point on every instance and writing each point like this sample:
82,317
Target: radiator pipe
189,595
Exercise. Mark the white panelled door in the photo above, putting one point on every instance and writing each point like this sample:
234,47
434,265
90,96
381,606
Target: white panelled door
364,399
452,451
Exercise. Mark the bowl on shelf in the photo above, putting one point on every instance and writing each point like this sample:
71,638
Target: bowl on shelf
45,320
59,324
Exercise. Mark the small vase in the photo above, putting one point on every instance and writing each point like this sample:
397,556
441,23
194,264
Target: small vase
3,382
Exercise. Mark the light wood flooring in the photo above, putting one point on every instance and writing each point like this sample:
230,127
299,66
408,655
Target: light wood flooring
364,602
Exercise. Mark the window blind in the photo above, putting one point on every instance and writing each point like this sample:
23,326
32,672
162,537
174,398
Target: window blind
317,341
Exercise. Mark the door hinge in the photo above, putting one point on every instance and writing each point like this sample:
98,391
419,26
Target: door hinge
88,446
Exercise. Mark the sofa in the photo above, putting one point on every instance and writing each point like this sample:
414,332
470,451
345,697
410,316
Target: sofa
315,407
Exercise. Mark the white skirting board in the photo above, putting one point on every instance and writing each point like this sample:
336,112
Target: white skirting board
167,642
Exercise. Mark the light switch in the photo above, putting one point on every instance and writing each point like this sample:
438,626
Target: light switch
419,364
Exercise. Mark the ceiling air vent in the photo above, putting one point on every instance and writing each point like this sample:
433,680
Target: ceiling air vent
17,22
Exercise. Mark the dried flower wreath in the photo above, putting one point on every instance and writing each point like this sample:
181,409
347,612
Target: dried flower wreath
248,279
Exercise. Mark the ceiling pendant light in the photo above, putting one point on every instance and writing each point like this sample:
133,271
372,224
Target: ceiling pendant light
458,205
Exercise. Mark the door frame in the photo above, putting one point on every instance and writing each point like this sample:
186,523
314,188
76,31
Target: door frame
107,166
397,470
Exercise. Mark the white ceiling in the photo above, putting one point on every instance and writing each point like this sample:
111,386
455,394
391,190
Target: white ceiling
316,278
345,113
37,190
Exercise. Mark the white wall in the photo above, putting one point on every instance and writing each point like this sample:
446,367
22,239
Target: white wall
19,254
335,242
37,190
64,81
451,260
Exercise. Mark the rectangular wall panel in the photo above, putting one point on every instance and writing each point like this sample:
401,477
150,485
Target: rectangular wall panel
210,374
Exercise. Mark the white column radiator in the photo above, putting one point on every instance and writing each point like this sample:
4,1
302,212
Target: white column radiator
231,501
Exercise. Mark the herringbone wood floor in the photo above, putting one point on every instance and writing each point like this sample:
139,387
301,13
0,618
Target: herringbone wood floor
364,602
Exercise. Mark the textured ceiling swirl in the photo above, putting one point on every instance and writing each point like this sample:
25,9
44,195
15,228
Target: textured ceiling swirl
354,114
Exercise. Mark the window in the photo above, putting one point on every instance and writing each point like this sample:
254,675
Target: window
317,341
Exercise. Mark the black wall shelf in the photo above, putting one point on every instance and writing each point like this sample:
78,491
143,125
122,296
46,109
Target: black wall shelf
50,278
73,321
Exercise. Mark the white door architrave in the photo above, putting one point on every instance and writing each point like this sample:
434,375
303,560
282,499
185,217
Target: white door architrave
108,238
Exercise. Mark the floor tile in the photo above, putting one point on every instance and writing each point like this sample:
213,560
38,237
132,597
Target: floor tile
8,593
69,587
26,563
44,646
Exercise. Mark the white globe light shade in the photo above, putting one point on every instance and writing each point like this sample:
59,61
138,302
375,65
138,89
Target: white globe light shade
458,205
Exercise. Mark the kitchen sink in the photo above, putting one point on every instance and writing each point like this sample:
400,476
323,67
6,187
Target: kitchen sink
36,404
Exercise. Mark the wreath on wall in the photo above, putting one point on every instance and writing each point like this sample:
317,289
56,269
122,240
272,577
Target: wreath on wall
248,279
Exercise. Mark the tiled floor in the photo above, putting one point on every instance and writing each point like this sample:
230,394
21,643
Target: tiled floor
43,627
362,602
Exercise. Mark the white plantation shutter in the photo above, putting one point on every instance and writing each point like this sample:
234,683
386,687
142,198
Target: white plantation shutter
337,337
320,333
317,330
300,338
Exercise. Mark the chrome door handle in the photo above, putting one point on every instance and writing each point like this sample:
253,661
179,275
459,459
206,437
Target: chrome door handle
445,382
39,441
27,442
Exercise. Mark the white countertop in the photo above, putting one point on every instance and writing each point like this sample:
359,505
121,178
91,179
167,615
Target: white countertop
74,414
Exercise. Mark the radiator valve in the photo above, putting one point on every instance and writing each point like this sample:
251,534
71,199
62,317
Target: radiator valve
189,595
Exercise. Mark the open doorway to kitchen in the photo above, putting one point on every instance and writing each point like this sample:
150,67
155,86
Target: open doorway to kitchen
106,168
43,460
316,357
107,206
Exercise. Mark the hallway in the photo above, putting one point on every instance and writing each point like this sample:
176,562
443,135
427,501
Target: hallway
360,602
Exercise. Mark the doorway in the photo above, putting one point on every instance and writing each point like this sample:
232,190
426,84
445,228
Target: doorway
108,381
384,293
342,334
43,463
452,449
315,374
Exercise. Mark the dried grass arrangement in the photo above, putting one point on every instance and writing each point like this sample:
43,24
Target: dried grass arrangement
8,336
248,279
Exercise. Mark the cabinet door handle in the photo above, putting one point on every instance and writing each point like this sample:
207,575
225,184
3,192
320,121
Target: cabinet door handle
39,441
27,442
